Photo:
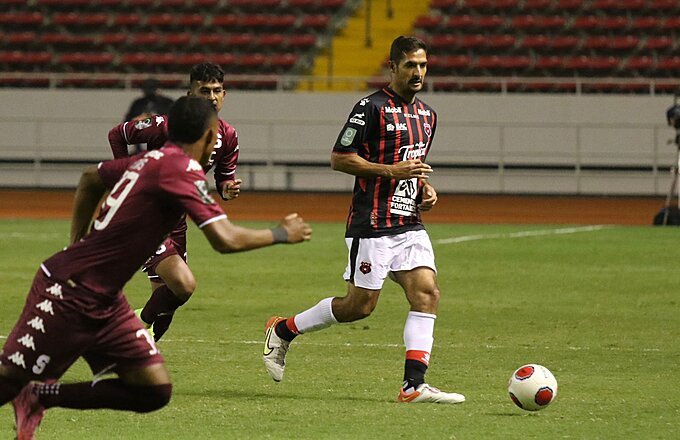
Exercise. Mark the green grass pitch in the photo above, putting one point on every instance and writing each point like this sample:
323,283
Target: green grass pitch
599,308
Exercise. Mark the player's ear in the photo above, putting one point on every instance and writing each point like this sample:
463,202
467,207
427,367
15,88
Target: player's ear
392,66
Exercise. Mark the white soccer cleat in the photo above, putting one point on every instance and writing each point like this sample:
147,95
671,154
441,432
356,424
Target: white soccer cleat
429,394
275,349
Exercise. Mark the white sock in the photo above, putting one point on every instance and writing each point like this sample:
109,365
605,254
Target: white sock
419,331
316,318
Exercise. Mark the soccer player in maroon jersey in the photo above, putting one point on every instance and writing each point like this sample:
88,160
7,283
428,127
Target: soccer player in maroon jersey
172,282
76,306
384,144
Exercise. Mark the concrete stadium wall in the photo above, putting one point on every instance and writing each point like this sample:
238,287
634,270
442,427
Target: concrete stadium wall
535,144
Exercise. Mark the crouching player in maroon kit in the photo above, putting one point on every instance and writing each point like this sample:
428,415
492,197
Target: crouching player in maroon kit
172,282
76,306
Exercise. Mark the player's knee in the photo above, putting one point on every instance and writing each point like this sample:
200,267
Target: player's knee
154,398
184,287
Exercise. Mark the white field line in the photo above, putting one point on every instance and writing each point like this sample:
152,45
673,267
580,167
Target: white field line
521,234
386,346
33,235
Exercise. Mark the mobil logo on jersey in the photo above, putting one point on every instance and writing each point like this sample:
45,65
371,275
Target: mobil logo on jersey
413,151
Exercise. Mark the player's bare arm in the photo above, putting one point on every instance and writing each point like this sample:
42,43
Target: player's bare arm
357,166
89,193
429,197
226,237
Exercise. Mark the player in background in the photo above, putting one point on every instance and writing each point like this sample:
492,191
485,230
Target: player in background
172,282
384,144
76,306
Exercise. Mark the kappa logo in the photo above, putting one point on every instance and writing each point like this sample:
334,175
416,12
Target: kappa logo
202,189
46,306
37,323
27,341
55,290
144,123
154,154
194,166
365,267
18,360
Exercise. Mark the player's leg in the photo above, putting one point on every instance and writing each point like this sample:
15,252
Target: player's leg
415,272
121,346
364,282
172,284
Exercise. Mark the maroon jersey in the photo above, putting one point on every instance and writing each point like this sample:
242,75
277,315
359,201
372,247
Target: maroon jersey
383,128
150,193
153,132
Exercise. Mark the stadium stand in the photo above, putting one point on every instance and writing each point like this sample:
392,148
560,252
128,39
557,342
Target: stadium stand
160,37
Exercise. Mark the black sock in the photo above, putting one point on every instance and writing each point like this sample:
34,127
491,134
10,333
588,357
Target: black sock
283,332
414,373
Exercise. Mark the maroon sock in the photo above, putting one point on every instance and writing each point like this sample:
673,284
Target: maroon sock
8,390
110,394
162,301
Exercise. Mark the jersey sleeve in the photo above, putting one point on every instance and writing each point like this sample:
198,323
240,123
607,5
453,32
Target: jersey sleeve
359,124
225,167
110,171
151,131
184,181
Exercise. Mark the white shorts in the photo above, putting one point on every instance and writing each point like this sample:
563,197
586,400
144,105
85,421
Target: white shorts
371,259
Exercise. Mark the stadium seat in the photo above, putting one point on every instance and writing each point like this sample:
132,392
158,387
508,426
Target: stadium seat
662,6
160,20
238,40
85,59
174,40
534,42
209,40
490,22
564,42
21,19
283,61
127,19
317,21
645,23
113,38
269,40
252,61
536,5
223,59
20,38
640,63
189,59
658,43
189,20
568,5
671,23
613,23
471,41
144,40
459,23
428,22
227,21
501,42
668,66
301,40
60,39
623,43
206,4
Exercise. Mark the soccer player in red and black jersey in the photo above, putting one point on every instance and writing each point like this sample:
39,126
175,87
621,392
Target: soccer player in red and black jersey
384,143
76,306
172,282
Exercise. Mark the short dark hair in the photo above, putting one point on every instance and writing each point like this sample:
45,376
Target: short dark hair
403,45
207,72
189,118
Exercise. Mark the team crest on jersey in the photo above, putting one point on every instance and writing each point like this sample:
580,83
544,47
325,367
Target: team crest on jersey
365,267
428,129
202,188
348,136
142,124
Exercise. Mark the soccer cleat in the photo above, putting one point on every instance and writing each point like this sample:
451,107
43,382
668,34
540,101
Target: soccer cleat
275,349
429,394
149,327
28,412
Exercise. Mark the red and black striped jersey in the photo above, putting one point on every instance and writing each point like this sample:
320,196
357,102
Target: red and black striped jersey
383,128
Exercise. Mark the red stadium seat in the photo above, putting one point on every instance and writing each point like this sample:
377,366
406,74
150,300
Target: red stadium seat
302,40
253,60
658,43
128,19
459,22
444,42
20,38
534,42
177,40
160,20
64,39
504,5
318,21
190,20
189,59
645,23
238,40
490,22
487,62
640,63
142,40
207,4
596,42
209,39
428,22
258,5
586,23
226,21
223,59
568,5
672,23
21,19
270,40
617,23
564,42
113,38
669,64
331,4
624,43
283,61
500,42
472,41
516,63
663,6
552,62
536,5
86,58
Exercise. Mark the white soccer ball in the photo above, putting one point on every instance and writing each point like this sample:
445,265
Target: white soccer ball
532,387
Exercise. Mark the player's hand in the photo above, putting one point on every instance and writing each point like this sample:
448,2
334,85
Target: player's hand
232,188
429,198
409,169
296,228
